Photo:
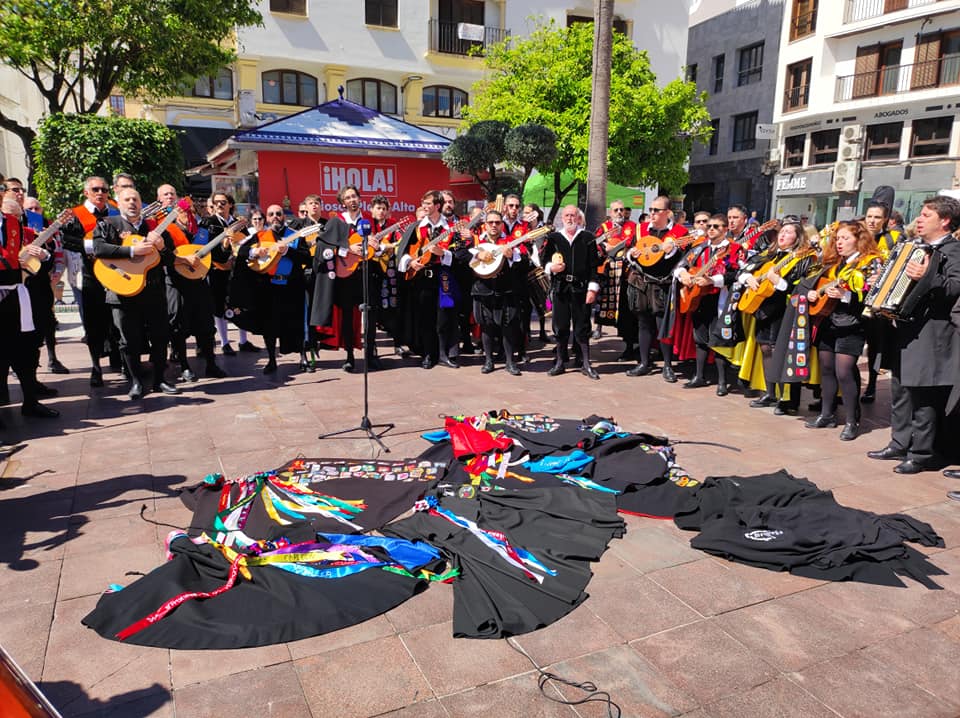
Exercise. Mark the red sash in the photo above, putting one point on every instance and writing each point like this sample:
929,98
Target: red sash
10,252
87,218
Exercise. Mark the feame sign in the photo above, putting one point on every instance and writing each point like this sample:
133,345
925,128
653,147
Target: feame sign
794,183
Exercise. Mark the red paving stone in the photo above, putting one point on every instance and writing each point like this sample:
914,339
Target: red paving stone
779,645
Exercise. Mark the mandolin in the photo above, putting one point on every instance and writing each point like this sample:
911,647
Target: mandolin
690,296
30,264
127,277
202,252
268,263
346,266
488,268
649,249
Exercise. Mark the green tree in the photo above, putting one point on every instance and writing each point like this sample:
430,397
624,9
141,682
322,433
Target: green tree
530,146
546,78
78,52
69,148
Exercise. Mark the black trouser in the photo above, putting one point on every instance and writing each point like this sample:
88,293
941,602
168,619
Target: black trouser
19,350
914,415
97,322
570,307
139,319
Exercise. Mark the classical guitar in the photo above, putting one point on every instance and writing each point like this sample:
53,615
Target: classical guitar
690,296
752,298
30,264
487,268
128,276
268,263
202,252
345,266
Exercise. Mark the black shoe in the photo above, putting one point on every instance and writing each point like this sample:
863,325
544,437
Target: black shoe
639,370
214,372
5,395
628,354
249,347
556,369
96,377
165,388
401,352
888,453
695,383
577,363
784,409
513,370
722,390
347,366
39,411
544,338
522,359
668,375
589,372
373,363
271,367
596,333
57,368
427,363
952,473
487,367
228,351
136,390
910,467
468,348
955,495
449,363
869,396
850,431
815,405
763,401
45,392
188,375
822,422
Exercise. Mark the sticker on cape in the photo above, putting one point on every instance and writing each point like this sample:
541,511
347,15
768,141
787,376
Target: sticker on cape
763,535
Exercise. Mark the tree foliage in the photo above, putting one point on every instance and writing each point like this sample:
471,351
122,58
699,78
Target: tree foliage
545,78
77,52
530,146
69,148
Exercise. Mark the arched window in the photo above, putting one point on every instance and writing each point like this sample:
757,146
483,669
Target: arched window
219,86
289,87
443,101
375,94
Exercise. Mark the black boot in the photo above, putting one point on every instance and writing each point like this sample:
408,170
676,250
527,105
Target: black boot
587,370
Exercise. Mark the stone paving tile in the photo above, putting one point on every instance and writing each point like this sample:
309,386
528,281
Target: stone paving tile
273,691
452,665
634,684
83,576
575,634
648,549
189,667
776,583
518,696
118,496
433,606
704,661
370,630
914,602
635,606
23,633
95,536
427,709
382,677
925,656
709,586
950,628
855,686
32,586
889,495
155,703
780,698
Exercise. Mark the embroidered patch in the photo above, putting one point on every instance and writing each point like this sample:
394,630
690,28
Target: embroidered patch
763,535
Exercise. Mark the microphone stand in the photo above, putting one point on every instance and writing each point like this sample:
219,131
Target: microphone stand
366,426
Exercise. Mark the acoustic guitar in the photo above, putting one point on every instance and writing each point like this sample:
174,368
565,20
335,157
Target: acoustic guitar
127,277
202,252
649,249
488,268
268,263
752,298
346,266
30,264
690,296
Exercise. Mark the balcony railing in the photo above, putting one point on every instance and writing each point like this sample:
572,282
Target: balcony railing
857,10
796,98
803,25
448,37
897,79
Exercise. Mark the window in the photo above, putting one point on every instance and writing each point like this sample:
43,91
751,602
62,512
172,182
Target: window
715,137
744,131
937,60
118,105
440,101
289,87
751,64
797,93
219,87
793,151
877,71
294,7
883,141
692,73
375,94
824,146
619,24
719,63
931,137
381,12
803,21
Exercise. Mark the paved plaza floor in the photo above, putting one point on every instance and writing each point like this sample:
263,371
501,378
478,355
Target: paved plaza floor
667,630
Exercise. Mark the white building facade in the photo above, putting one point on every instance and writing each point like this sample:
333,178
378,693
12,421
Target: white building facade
868,94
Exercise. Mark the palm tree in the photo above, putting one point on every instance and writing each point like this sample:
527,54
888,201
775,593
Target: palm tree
599,112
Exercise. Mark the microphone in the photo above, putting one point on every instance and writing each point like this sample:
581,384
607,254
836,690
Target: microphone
364,228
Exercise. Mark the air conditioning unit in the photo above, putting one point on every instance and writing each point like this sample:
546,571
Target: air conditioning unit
846,176
851,133
247,109
773,156
848,151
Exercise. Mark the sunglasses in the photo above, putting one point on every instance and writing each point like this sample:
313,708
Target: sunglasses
715,226
699,221
619,209
274,214
256,219
657,210
494,221
220,202
303,212
513,206
99,189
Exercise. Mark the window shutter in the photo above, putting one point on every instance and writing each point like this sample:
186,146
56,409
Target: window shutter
926,63
865,77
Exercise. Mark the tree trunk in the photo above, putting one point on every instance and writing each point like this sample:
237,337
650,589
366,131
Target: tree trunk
26,135
599,113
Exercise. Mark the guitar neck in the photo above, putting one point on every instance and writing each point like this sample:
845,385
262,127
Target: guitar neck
711,263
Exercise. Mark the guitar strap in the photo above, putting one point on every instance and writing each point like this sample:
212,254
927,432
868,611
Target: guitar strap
282,271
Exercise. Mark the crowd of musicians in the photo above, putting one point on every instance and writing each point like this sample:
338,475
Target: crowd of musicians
758,308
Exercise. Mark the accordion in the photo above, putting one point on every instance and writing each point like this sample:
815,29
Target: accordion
895,295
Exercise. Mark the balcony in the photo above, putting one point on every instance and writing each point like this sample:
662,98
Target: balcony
857,10
803,24
796,98
898,79
455,38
